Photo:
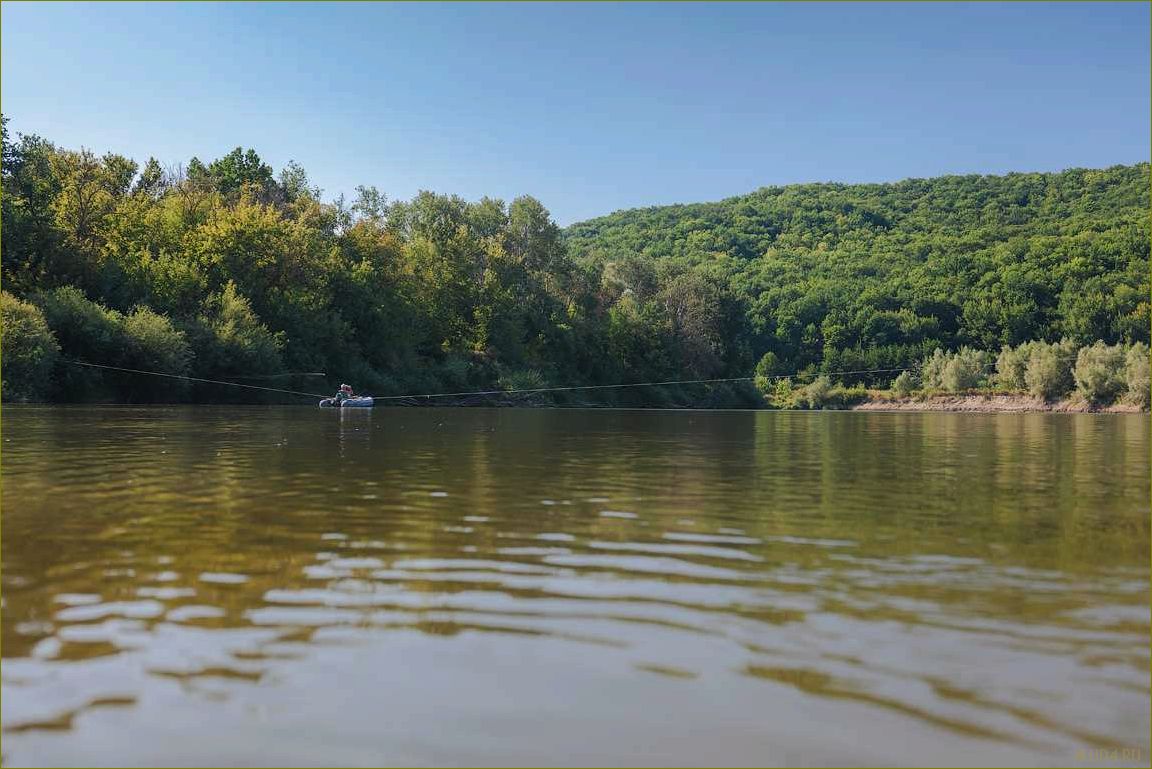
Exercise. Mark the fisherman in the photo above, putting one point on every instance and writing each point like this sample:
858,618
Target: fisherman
343,394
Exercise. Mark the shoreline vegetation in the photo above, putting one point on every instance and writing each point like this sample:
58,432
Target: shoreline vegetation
879,401
996,403
1033,376
831,295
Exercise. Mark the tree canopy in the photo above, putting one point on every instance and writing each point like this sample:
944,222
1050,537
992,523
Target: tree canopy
838,277
246,272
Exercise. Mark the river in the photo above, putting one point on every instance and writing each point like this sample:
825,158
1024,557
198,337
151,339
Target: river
290,586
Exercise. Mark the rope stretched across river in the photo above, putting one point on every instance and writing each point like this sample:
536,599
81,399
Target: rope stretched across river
614,386
524,391
194,379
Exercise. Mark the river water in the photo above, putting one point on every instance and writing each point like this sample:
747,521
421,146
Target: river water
285,586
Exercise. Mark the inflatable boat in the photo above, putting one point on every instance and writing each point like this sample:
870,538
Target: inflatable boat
358,402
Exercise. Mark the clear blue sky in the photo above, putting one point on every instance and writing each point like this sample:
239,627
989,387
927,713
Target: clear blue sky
589,107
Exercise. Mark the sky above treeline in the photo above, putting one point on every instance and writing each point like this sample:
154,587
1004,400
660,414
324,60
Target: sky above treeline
589,107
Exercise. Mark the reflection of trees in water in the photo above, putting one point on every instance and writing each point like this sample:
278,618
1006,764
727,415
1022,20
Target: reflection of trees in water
1022,481
940,522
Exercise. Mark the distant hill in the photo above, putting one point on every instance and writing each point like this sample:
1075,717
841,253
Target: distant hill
862,276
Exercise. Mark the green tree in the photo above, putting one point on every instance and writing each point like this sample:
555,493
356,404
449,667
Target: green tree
29,350
1137,374
904,384
1100,372
152,182
150,342
241,343
31,246
966,369
1011,365
1049,371
239,169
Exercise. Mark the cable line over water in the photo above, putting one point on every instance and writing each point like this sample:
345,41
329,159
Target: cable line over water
614,386
194,378
472,393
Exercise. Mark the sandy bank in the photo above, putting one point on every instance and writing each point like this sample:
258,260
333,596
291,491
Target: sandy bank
991,404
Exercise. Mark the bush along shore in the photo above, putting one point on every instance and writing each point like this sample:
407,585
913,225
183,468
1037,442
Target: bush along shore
1034,376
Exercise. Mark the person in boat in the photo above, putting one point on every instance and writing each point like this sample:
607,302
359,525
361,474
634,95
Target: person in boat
343,394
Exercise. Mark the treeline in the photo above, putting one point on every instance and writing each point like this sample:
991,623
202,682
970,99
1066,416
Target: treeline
228,270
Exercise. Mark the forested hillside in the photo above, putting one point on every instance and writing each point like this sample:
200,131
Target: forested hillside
846,277
230,270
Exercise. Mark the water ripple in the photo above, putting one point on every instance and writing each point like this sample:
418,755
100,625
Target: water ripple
962,588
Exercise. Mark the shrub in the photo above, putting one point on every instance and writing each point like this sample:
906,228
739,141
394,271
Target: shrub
1137,375
932,370
964,370
1049,371
84,328
842,397
140,340
769,366
86,331
767,378
152,343
954,371
232,340
1099,372
456,372
780,393
903,385
816,394
1011,365
524,379
528,379
822,394
27,348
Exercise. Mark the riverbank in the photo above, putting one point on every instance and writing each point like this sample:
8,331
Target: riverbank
995,403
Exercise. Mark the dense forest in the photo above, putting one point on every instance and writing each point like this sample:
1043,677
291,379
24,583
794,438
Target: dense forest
842,277
228,270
